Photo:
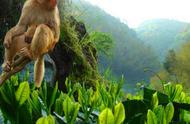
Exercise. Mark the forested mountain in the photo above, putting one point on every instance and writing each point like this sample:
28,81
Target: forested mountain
162,34
130,56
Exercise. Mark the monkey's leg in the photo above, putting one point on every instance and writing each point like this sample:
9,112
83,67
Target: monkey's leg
42,41
39,71
41,44
8,58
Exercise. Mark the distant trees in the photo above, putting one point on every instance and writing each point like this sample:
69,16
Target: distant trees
176,67
162,35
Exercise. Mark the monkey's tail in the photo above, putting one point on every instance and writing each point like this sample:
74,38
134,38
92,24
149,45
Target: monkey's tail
39,71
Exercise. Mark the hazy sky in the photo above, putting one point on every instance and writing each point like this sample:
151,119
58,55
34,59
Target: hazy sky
136,11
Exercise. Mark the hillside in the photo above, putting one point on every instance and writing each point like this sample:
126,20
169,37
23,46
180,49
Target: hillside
161,34
130,55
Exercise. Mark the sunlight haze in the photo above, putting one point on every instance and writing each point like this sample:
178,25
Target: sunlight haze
135,12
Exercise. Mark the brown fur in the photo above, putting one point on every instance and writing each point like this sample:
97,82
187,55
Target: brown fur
44,37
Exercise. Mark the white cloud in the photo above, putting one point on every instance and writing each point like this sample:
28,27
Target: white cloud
136,11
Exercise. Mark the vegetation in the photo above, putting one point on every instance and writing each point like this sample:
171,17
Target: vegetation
22,103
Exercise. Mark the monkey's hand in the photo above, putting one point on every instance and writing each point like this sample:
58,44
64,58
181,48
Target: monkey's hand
7,40
6,66
28,39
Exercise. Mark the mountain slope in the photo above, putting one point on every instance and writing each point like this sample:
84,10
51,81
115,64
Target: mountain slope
130,55
161,34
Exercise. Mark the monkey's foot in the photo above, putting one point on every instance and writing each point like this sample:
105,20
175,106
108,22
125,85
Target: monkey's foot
6,66
25,52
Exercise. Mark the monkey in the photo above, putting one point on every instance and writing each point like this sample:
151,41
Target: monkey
44,14
19,43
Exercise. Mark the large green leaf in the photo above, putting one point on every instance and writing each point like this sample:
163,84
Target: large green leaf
169,112
46,120
151,117
106,117
22,93
119,113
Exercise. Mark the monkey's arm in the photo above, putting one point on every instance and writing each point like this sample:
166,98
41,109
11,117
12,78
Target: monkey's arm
57,33
55,26
17,30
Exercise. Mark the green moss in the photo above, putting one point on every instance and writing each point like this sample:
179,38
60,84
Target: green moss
84,58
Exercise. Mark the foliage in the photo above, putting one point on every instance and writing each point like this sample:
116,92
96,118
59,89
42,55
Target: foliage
160,114
102,41
21,103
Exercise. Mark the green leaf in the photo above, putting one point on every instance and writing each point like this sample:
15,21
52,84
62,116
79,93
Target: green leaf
151,117
67,108
51,119
178,90
22,93
169,110
4,96
75,113
95,99
34,103
160,114
59,105
14,80
119,113
53,96
106,117
70,109
46,120
154,101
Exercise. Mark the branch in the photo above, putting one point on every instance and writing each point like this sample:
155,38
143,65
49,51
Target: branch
18,65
